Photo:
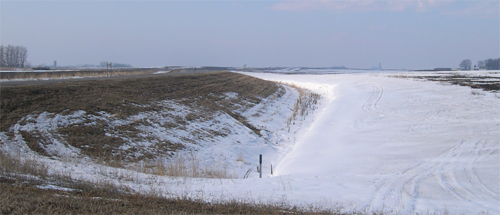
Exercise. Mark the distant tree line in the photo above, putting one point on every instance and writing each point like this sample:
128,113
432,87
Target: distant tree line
13,56
489,64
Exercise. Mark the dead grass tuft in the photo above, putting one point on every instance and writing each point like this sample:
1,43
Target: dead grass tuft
305,104
29,199
477,93
187,165
16,164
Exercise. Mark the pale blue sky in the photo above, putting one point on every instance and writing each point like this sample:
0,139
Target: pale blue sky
356,34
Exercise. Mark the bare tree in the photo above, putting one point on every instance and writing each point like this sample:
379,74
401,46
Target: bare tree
23,55
481,64
2,56
13,56
9,56
465,64
492,64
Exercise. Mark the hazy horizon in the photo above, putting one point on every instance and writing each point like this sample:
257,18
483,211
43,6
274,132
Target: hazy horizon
350,33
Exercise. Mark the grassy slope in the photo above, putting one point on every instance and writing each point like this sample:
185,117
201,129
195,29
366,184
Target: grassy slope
19,179
109,95
123,98
28,199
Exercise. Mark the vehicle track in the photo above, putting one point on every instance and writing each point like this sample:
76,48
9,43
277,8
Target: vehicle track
453,169
371,104
454,175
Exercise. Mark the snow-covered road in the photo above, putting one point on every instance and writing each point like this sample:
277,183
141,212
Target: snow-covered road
393,144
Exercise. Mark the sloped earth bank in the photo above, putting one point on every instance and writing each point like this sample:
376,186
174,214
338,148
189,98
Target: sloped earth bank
205,125
131,131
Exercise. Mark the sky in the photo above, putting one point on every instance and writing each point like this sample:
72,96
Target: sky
399,34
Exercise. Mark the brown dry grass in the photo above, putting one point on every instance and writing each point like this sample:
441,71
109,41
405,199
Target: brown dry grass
28,199
22,191
306,102
474,82
123,98
21,165
188,166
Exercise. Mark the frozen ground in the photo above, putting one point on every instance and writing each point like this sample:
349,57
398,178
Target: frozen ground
384,143
376,143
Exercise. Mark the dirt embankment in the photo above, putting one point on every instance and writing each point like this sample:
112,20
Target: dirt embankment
122,98
28,188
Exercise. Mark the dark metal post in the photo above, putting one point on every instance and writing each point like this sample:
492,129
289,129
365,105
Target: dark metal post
260,168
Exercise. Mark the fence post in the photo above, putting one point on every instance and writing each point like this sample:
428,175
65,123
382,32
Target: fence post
260,164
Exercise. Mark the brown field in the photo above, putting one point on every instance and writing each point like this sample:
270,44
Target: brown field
123,98
475,82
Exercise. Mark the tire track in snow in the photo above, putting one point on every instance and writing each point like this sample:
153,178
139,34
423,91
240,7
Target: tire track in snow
481,146
371,104
452,169
403,113
461,180
400,189
457,177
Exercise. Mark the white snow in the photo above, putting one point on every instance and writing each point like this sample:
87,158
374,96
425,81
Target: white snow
393,144
53,187
376,143
161,72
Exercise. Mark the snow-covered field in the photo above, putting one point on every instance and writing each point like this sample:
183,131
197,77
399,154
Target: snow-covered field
392,144
375,143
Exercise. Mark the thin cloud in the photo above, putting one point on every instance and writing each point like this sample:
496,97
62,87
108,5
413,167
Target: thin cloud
447,7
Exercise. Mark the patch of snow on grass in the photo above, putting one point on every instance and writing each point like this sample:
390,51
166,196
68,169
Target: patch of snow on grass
161,72
231,95
53,187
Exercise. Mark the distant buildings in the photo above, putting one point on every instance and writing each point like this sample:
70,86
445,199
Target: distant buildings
377,68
